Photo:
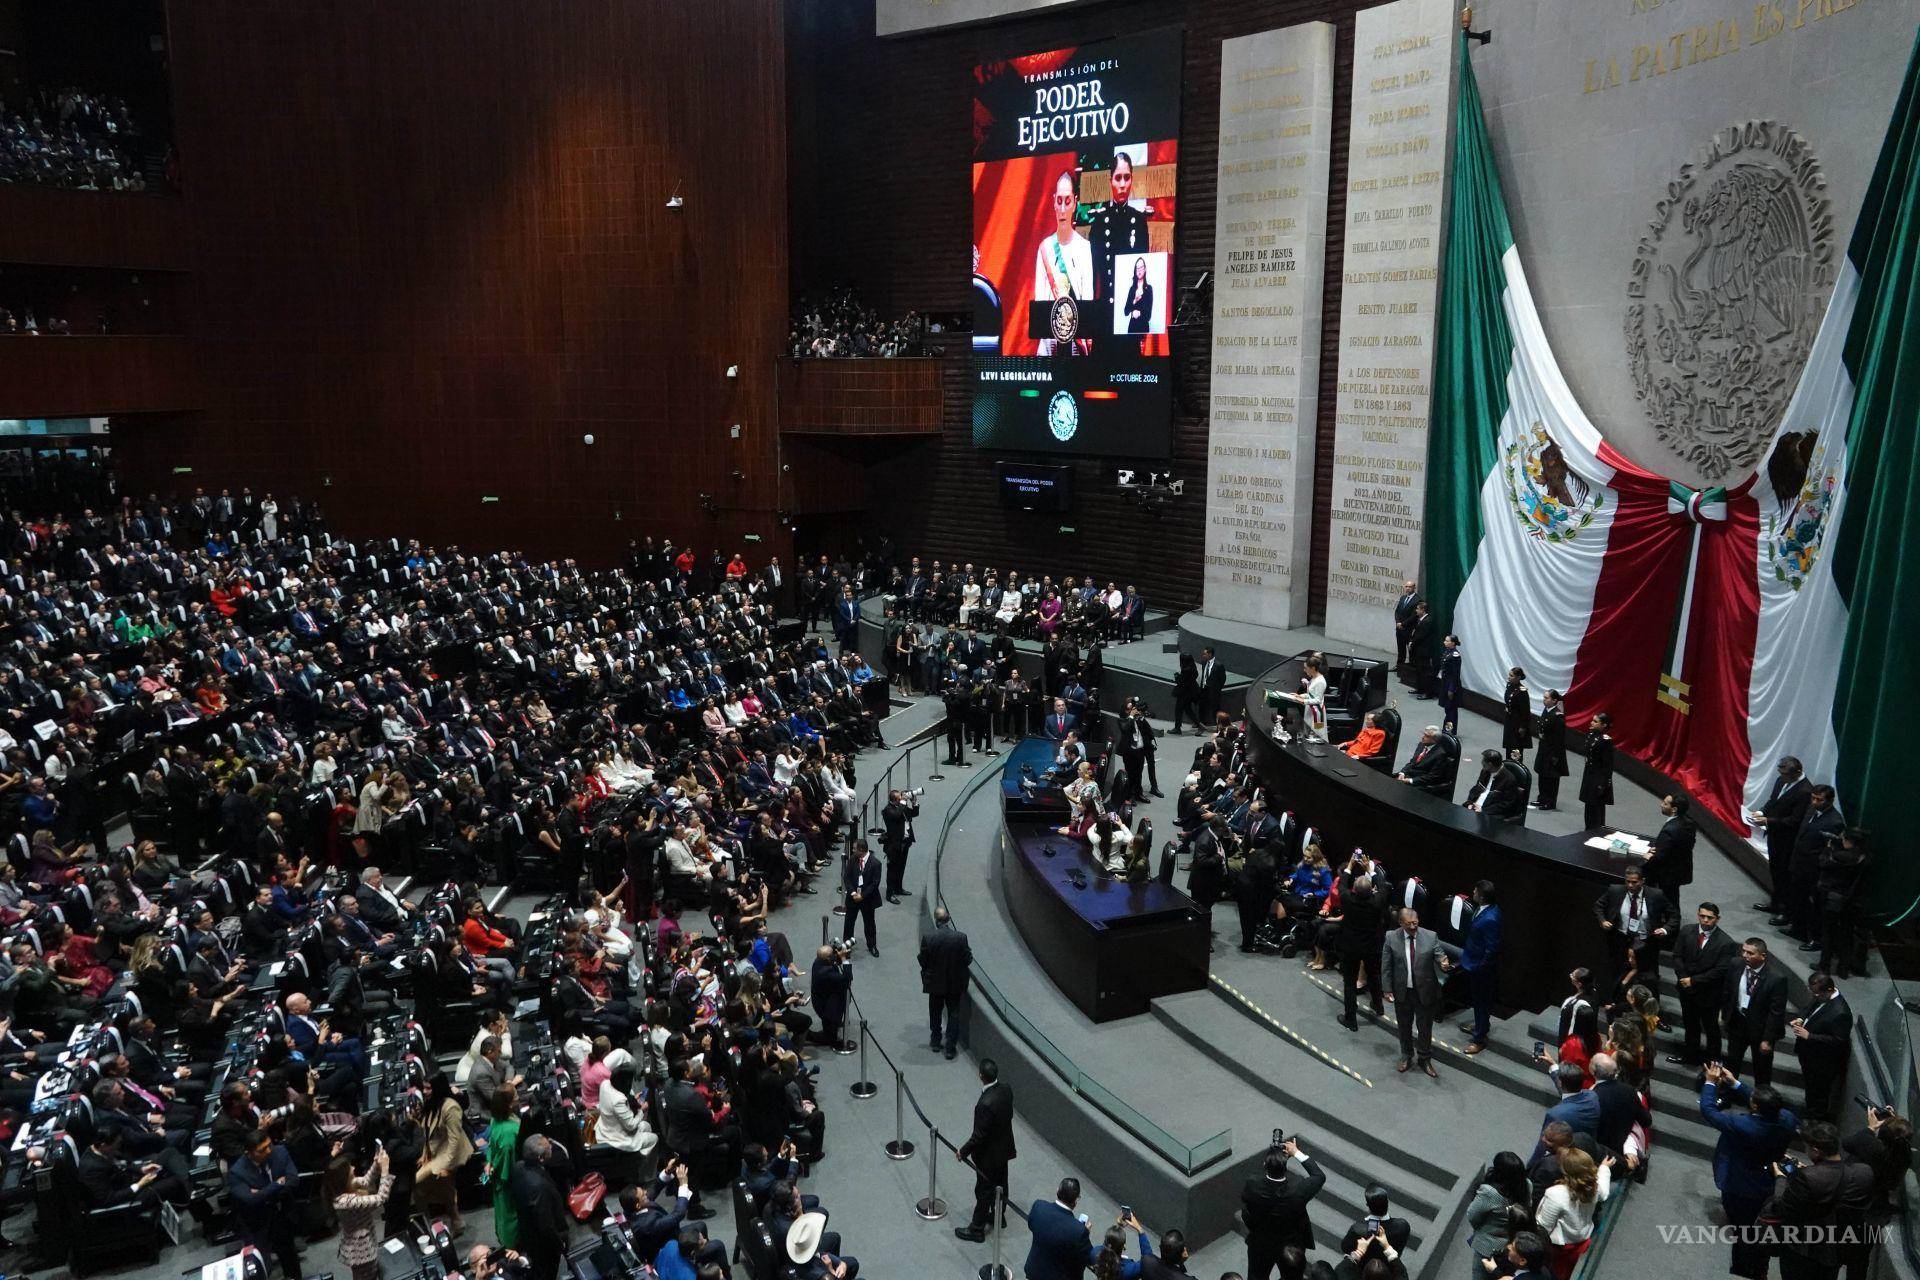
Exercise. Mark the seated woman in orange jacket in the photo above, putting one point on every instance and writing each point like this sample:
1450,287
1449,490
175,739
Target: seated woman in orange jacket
1369,742
481,940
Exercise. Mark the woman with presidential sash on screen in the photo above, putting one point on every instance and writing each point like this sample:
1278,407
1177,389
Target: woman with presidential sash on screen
1063,273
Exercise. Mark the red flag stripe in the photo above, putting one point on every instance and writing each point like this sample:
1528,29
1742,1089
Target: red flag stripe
1618,669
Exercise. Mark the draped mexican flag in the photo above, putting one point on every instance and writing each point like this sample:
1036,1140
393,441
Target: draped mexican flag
1720,628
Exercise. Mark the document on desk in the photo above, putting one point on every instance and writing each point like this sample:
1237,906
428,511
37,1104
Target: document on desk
1621,842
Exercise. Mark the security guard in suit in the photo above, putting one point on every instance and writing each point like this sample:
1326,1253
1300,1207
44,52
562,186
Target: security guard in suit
958,700
980,701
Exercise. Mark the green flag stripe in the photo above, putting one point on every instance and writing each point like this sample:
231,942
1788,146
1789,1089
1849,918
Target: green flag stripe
1876,562
1475,352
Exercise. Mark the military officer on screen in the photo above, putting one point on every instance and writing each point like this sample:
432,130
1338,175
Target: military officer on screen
1116,227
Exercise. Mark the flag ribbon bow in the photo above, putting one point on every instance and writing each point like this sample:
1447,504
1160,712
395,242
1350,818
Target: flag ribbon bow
1697,505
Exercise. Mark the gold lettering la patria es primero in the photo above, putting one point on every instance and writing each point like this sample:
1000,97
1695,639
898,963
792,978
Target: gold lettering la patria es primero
1704,42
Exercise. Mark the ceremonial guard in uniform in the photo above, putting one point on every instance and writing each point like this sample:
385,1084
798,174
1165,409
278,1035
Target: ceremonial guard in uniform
1114,228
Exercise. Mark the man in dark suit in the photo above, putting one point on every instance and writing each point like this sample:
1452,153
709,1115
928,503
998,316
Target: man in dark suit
1823,1041
846,618
1403,626
958,703
1213,683
1636,920
945,958
1506,801
380,908
989,1148
1829,1190
1491,762
1577,1108
1411,969
542,1210
897,820
1377,1222
1703,954
264,1189
865,881
1755,1129
1136,740
1819,831
1670,862
829,982
1428,767
1780,817
107,1180
1755,1011
1274,1203
1620,1105
261,930
651,1224
1423,650
1060,1247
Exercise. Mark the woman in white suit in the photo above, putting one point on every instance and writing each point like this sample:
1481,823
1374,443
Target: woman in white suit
623,1123
969,602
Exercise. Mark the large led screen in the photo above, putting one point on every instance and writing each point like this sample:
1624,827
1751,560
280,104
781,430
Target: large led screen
1075,157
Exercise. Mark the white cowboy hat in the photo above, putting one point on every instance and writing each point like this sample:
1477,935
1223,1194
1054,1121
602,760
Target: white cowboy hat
803,1237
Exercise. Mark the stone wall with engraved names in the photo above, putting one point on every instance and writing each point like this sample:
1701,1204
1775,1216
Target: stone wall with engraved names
1276,113
1396,201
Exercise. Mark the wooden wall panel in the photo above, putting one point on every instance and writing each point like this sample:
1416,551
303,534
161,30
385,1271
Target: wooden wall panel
881,152
52,226
431,252
48,377
860,397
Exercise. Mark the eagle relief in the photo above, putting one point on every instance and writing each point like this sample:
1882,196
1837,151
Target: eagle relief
1725,293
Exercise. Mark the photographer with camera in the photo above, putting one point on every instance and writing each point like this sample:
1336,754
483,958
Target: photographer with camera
1274,1205
1136,749
1884,1146
1826,1197
829,981
896,820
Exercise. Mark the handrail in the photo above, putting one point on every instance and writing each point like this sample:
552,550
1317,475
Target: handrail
1606,1218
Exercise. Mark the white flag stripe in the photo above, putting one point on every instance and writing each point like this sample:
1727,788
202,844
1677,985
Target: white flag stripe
1796,652
1527,600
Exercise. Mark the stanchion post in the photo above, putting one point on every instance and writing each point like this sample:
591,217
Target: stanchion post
899,1148
935,775
933,1208
909,762
863,1087
993,1270
824,938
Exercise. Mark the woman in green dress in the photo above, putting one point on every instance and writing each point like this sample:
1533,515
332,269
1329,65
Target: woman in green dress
503,1144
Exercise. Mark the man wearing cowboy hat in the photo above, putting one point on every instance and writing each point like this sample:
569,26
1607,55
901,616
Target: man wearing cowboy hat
812,1249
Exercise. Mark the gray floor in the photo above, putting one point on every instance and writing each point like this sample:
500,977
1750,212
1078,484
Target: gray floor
1476,1107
